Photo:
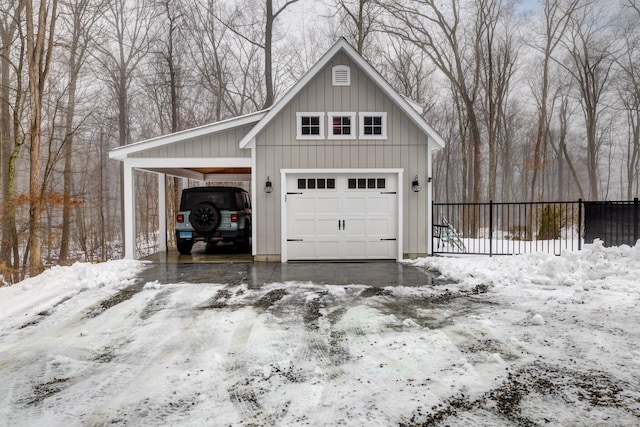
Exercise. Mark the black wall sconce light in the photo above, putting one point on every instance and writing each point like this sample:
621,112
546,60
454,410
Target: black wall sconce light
415,185
268,186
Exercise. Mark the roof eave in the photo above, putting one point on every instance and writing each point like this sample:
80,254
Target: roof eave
121,153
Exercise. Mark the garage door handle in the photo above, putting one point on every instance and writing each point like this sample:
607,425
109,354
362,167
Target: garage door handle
388,239
339,226
295,240
343,227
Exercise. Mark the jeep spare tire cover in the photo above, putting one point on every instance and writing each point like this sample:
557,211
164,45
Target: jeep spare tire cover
205,217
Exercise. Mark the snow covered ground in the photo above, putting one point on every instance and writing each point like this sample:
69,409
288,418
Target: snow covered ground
520,340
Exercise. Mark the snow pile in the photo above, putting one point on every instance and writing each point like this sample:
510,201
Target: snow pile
41,293
616,268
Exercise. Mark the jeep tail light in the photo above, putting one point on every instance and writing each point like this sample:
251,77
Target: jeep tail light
180,218
234,217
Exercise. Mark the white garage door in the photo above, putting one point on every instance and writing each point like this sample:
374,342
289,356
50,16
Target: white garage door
342,216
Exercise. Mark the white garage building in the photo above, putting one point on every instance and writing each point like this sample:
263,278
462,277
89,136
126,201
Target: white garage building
347,160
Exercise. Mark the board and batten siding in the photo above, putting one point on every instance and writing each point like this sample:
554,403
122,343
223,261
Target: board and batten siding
406,147
219,144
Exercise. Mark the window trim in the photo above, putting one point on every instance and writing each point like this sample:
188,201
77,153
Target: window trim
350,114
300,115
361,117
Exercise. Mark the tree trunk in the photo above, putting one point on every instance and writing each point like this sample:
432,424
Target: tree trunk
268,39
39,51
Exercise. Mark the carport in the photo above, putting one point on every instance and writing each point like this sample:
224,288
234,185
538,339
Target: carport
205,154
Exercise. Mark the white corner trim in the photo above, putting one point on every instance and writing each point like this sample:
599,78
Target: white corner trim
284,255
254,199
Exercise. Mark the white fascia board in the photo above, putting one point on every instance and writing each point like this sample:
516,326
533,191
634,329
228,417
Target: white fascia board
189,162
120,153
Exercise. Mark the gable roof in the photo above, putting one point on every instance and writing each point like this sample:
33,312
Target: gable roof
342,45
120,153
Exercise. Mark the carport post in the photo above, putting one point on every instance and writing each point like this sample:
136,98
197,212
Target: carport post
129,220
162,212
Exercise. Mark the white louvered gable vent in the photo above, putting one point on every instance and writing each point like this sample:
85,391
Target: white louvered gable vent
341,75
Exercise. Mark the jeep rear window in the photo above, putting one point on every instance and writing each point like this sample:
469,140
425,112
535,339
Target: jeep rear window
222,200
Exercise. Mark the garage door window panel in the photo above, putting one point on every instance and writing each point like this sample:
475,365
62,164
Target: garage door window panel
366,183
316,184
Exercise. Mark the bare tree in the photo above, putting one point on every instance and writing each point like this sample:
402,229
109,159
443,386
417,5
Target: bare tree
12,62
126,41
271,16
590,48
359,18
629,95
264,41
441,32
497,52
40,45
80,16
556,15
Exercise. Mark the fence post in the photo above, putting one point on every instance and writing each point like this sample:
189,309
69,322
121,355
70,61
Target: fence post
579,224
635,220
490,228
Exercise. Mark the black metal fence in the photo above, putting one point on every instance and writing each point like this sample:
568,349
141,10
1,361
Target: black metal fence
518,228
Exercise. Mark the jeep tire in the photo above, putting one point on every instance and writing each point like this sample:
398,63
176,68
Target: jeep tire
205,218
184,246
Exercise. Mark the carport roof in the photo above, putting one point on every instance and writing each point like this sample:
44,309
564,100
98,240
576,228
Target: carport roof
121,153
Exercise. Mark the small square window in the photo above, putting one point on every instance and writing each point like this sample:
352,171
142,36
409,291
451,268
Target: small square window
352,183
331,183
373,125
362,183
311,183
341,125
310,125
302,184
371,183
322,183
382,183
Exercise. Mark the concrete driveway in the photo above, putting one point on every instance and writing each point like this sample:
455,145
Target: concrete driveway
255,275
225,264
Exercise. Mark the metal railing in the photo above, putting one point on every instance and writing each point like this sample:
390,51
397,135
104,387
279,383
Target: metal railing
507,228
518,228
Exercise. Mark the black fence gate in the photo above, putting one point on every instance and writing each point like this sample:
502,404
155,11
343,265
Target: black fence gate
517,228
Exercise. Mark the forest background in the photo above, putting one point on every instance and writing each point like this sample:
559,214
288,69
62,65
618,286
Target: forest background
537,101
